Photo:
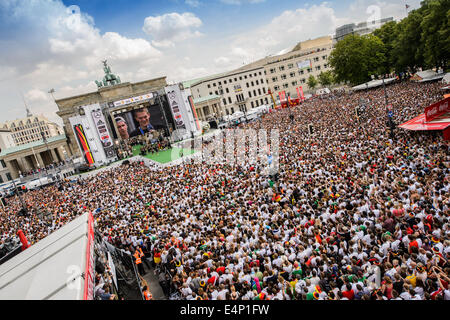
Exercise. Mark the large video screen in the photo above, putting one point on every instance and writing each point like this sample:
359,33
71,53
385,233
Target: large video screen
140,121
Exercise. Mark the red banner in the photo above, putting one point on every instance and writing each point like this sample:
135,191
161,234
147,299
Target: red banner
303,96
437,109
90,261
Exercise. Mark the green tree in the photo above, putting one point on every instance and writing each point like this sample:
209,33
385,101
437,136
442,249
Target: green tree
435,36
387,34
312,82
326,78
355,58
408,46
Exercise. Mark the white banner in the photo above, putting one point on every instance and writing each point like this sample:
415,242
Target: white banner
124,102
304,64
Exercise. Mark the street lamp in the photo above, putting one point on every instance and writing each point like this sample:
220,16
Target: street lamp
24,208
389,111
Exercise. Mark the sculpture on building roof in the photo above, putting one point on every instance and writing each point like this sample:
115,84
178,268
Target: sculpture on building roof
109,79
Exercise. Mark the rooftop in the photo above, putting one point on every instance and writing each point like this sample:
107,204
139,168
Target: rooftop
33,144
207,98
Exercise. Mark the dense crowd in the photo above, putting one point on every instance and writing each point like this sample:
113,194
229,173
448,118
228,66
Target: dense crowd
351,215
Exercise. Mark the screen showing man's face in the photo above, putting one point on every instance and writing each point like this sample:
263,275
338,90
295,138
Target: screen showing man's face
143,117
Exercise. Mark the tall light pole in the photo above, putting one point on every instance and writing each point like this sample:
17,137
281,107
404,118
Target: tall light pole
389,111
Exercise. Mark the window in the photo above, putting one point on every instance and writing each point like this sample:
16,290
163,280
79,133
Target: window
262,101
260,73
250,94
229,99
264,90
225,82
247,85
259,91
292,74
267,101
281,68
250,75
325,66
240,78
210,93
227,91
276,88
1,179
290,65
275,79
285,85
254,93
272,70
232,110
220,83
316,59
224,101
283,77
8,176
318,68
230,80
216,92
3,163
309,70
214,84
257,104
256,74
253,84
257,82
324,57
294,83
262,81
235,79
228,112
253,105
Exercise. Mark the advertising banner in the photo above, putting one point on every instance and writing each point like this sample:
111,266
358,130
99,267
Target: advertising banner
304,64
127,101
437,109
176,106
103,132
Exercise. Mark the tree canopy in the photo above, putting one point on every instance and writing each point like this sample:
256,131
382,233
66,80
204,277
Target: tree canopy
421,40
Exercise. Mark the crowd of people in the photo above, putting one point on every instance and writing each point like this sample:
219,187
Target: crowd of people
351,215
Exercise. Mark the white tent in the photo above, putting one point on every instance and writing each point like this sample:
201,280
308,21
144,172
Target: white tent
427,75
373,84
52,268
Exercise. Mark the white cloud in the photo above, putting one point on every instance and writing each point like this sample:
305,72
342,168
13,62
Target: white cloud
284,31
193,3
172,27
36,95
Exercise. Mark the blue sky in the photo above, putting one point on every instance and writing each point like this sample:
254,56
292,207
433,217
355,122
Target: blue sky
60,43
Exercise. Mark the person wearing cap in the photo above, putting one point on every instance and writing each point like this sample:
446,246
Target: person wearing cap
122,127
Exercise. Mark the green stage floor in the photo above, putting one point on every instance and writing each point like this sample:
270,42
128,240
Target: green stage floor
164,156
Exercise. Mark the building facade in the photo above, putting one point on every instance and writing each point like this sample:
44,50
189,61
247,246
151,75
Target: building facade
248,87
224,94
362,28
30,129
34,155
290,71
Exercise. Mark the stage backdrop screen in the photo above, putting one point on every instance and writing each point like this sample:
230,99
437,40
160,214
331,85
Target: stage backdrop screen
139,121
